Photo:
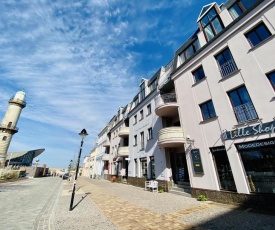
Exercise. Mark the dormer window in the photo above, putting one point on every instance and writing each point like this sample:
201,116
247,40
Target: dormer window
189,51
211,24
142,91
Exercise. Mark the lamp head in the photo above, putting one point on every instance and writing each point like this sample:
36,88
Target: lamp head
83,133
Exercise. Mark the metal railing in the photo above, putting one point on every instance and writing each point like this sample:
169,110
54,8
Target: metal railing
165,98
245,112
9,127
228,68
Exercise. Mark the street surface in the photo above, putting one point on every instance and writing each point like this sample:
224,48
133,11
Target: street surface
43,203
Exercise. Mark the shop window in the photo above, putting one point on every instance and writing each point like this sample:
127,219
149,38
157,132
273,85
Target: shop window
198,74
152,168
211,24
242,104
136,167
150,133
143,165
207,110
271,78
223,168
259,165
226,62
258,34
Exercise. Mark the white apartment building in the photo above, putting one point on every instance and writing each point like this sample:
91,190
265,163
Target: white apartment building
225,94
204,123
146,159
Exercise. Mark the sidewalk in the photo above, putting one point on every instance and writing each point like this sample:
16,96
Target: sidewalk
106,205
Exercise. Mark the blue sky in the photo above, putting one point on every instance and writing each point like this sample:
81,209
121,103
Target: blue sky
78,61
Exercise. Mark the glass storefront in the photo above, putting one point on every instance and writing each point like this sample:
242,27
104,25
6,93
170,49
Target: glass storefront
223,168
179,167
259,163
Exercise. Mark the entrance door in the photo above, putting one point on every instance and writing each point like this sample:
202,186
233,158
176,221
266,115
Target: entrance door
224,171
179,167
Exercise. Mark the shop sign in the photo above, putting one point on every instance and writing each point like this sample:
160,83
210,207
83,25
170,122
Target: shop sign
217,149
256,144
258,129
196,158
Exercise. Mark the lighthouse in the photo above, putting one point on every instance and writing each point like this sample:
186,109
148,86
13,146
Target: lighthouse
8,125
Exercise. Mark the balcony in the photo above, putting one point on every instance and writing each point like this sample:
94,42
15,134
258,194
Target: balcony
228,68
123,132
105,157
171,137
245,112
166,105
123,151
106,144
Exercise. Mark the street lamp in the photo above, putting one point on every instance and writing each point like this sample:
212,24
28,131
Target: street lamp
83,134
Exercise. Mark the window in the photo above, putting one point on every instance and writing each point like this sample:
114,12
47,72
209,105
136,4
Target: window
258,34
149,109
141,114
135,140
136,101
242,104
198,74
189,51
150,133
142,91
4,138
211,24
240,6
135,119
9,125
207,110
271,77
152,167
226,62
136,167
153,86
259,165
143,164
142,141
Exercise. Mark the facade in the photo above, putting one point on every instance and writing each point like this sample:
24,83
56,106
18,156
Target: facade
8,125
225,95
204,123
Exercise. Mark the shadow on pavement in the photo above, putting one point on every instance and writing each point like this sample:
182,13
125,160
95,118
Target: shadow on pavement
82,198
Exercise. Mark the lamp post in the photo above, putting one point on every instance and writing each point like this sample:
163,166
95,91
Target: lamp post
83,134
70,166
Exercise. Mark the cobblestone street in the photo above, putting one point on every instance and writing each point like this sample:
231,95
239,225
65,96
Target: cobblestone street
43,203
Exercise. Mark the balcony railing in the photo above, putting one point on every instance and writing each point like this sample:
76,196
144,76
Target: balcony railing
124,131
166,104
228,68
245,112
106,157
123,151
106,143
171,137
9,127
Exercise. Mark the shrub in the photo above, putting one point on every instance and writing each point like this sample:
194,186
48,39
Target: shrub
202,198
161,191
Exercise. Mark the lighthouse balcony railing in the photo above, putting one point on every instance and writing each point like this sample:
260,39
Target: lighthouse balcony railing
16,100
9,127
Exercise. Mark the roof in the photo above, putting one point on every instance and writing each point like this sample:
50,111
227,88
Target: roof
13,155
